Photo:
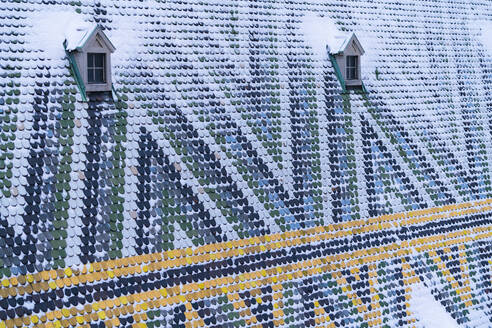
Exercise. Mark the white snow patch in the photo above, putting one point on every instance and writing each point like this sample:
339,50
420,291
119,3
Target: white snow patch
429,312
485,36
321,32
77,33
124,37
370,57
50,28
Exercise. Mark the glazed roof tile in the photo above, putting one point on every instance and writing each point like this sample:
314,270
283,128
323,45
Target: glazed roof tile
230,181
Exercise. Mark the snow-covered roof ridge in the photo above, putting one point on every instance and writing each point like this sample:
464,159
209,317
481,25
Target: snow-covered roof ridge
77,35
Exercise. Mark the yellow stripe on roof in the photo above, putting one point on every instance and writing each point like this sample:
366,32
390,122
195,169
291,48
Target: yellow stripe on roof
134,303
110,269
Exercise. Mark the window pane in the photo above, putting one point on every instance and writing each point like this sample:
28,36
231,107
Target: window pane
99,75
352,73
99,60
90,75
90,60
96,60
350,61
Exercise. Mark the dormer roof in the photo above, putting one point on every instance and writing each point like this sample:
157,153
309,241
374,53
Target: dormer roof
339,43
79,36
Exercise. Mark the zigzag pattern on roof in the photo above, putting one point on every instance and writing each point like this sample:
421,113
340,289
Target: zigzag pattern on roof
230,181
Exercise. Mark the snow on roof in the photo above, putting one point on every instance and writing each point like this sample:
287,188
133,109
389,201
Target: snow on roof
322,34
485,35
428,310
234,139
339,42
78,33
49,30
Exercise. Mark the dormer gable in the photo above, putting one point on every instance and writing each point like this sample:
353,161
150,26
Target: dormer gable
83,37
91,51
350,46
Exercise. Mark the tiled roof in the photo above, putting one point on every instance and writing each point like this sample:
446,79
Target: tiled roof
230,182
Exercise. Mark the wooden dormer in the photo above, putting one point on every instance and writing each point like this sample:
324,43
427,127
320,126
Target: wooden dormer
348,53
91,50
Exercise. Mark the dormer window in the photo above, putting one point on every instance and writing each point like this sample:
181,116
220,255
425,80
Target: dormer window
96,68
91,51
346,52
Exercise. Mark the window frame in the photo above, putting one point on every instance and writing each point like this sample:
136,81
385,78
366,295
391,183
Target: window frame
91,66
352,68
